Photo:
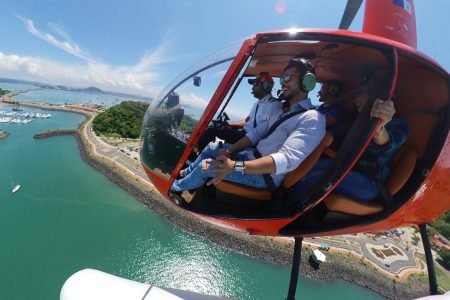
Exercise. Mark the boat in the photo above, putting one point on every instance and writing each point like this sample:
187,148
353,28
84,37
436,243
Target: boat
16,188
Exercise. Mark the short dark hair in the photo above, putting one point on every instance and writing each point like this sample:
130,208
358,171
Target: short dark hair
301,64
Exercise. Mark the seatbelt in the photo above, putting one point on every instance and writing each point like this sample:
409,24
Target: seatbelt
267,178
284,118
386,197
256,111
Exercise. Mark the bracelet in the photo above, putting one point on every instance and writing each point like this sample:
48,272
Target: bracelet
380,131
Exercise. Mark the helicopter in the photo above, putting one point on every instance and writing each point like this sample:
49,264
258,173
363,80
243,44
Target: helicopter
385,58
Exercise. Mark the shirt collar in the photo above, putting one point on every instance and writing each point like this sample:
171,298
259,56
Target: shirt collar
305,104
266,98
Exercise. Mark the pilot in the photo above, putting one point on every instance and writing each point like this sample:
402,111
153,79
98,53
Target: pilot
231,132
361,183
274,151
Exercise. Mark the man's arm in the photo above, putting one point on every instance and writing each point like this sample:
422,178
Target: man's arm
224,166
240,123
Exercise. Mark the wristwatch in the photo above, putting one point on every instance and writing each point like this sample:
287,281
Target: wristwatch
239,166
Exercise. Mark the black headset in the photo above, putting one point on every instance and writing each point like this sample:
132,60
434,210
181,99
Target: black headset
308,80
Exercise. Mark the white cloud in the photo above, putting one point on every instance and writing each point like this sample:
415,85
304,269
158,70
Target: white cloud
120,79
140,78
66,45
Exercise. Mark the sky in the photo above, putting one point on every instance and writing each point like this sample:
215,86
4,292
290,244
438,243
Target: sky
139,46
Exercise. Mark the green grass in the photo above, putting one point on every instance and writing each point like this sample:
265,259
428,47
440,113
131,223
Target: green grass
443,280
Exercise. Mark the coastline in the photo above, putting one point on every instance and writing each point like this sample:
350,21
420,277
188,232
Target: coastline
339,265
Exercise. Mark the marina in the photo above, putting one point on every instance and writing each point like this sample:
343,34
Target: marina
15,117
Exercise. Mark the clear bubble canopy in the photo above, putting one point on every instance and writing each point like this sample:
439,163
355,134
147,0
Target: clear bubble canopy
173,115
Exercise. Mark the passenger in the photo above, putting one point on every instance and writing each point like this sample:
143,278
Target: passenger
231,132
338,117
280,152
374,164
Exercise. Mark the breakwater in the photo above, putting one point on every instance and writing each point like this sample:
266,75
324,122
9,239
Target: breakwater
56,132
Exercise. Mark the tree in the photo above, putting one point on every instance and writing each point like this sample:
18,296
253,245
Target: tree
124,120
442,225
3,92
445,258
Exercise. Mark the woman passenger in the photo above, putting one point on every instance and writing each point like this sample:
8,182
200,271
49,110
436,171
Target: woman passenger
361,183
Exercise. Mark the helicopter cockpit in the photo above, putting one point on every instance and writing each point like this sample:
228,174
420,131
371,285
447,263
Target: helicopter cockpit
217,87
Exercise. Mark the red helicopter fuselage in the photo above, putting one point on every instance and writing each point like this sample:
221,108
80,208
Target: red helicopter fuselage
418,86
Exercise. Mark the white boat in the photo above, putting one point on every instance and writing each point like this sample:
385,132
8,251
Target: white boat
16,188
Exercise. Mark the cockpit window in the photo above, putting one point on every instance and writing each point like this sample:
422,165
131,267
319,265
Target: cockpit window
172,116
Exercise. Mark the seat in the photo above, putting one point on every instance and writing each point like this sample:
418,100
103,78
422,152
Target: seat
290,179
402,167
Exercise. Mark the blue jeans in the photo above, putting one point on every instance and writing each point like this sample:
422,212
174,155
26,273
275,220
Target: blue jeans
355,185
195,177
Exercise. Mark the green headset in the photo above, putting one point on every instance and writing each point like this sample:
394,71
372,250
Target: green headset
308,79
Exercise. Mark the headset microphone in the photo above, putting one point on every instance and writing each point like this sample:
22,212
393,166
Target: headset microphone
280,95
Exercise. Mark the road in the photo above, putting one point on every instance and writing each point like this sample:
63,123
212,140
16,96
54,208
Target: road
123,159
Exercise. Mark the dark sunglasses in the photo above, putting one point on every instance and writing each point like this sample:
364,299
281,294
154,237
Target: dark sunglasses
286,78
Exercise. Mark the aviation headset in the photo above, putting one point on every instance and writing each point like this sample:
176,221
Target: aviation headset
265,79
307,81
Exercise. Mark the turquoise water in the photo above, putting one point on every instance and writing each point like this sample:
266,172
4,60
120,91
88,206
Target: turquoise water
67,217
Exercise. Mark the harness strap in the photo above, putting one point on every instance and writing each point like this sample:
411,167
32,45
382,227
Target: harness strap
284,118
256,112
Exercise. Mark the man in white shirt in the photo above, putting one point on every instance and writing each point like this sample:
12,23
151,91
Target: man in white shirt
231,132
281,149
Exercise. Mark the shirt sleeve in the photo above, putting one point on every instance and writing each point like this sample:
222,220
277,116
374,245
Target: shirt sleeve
398,130
301,142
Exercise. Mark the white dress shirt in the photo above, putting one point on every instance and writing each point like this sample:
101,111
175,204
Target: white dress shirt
292,141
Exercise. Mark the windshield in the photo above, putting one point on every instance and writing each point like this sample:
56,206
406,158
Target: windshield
173,115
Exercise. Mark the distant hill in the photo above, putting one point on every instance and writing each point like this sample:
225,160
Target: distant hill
91,89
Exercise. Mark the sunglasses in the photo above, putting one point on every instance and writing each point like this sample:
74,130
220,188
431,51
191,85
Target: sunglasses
256,83
286,78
